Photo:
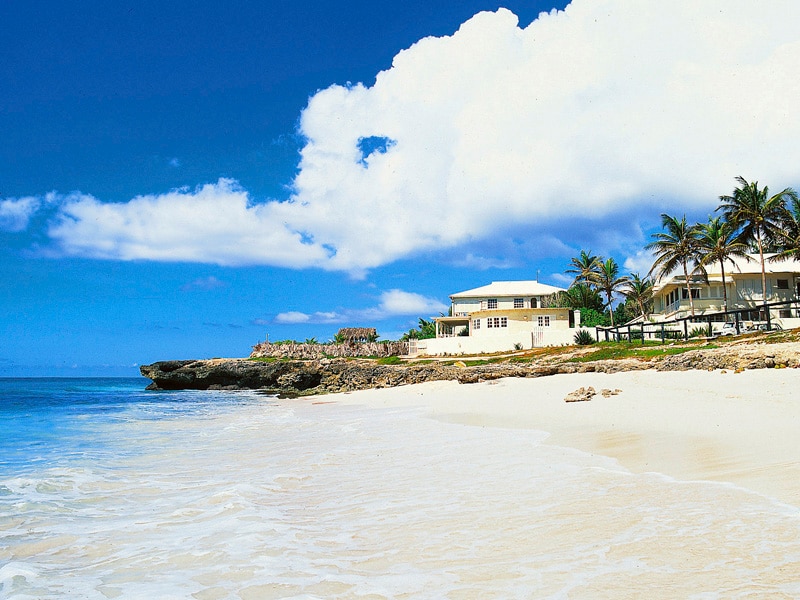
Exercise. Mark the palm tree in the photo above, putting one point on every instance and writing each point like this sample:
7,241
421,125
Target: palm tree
717,243
674,247
607,279
581,295
640,291
756,215
788,233
584,267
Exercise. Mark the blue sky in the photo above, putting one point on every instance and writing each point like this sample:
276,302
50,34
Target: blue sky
179,180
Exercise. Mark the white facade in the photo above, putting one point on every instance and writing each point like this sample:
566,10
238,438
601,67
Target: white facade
499,317
743,285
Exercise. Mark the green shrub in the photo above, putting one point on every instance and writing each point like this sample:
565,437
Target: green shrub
698,331
591,317
390,360
517,346
584,337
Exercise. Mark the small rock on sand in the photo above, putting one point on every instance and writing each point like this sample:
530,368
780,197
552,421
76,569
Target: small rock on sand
582,394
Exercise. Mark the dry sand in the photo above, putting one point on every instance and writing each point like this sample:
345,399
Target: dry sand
741,428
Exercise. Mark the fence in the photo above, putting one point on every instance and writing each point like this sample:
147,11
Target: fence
679,328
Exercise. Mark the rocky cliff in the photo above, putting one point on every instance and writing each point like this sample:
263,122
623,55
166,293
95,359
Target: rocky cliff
327,376
301,377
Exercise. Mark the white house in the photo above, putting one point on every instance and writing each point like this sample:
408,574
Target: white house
743,283
501,316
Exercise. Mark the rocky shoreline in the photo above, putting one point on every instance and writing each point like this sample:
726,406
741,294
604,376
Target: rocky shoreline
309,377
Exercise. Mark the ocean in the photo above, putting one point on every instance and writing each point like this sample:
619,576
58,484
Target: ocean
108,491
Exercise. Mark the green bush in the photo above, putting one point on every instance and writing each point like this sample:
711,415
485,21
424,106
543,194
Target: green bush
390,360
584,337
591,317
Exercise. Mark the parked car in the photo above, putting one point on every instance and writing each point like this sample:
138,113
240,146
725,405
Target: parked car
726,329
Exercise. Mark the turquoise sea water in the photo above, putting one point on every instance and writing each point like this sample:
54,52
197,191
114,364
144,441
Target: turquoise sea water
108,491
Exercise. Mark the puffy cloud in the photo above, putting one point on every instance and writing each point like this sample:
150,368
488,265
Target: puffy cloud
640,262
597,110
398,302
392,303
292,317
15,213
214,223
295,318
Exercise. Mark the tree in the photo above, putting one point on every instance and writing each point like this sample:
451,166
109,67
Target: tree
591,317
756,216
608,280
640,292
580,296
584,267
675,247
427,330
717,242
788,232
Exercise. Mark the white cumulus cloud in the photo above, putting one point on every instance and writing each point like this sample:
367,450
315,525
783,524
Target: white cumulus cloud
15,213
588,113
392,303
398,302
214,223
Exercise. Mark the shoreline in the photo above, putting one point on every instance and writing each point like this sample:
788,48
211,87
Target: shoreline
725,427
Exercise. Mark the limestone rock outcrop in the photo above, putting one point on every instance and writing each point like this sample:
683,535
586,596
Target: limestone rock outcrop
320,376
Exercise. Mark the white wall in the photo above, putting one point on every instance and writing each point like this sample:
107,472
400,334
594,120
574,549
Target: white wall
503,342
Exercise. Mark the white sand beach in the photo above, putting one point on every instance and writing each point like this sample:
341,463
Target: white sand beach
433,491
740,428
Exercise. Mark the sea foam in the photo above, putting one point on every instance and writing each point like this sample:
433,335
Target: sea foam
244,496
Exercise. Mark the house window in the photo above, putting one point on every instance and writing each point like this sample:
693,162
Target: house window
544,321
519,303
476,323
785,313
783,284
496,322
534,303
491,303
503,321
685,294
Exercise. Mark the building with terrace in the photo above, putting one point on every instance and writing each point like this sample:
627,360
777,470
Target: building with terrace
499,317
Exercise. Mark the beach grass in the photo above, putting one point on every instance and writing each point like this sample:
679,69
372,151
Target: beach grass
621,350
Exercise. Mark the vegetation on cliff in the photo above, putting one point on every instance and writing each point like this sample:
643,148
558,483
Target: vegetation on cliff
321,376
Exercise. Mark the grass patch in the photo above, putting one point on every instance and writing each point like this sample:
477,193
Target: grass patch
390,360
620,350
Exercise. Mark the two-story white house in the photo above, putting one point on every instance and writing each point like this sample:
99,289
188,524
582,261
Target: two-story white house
743,284
499,317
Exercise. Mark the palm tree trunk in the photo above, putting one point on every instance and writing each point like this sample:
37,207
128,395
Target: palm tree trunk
610,310
763,268
724,287
688,287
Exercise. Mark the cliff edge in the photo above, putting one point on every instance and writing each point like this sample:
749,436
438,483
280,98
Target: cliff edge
306,377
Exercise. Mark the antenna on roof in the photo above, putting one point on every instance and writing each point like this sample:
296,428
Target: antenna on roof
537,275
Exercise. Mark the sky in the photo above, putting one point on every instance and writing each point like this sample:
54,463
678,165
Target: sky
180,180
